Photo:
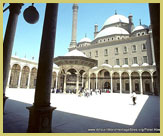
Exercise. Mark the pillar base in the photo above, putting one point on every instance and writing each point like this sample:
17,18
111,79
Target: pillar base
40,119
4,101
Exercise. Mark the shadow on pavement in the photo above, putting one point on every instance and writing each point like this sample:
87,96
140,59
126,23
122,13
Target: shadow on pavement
15,120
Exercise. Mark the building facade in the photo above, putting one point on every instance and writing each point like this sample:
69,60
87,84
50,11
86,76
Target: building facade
120,59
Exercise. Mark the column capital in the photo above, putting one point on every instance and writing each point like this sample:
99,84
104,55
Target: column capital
15,7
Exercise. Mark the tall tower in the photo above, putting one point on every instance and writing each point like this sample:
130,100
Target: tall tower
74,26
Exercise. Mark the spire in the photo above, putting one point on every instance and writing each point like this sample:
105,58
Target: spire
85,34
115,12
140,21
130,18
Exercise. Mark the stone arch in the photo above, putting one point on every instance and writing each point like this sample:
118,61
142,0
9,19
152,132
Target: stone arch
53,82
33,78
16,63
135,80
24,77
104,79
116,82
125,82
146,79
71,80
14,78
61,75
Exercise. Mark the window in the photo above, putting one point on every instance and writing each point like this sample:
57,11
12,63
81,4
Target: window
144,46
135,61
145,60
126,61
116,51
96,54
125,50
134,48
106,52
117,61
106,62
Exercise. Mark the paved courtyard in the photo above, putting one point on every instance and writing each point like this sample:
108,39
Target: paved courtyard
105,113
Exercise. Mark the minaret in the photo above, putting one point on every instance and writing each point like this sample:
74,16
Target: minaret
74,26
131,25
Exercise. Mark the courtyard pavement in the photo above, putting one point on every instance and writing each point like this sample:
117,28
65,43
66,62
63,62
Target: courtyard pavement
105,113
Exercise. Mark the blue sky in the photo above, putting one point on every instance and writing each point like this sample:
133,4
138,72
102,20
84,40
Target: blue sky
28,37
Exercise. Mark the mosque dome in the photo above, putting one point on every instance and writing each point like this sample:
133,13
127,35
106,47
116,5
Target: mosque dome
85,39
140,27
75,53
111,31
115,19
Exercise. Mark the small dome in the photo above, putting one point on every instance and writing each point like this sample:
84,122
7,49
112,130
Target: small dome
115,19
55,66
107,65
75,53
116,66
140,27
145,64
94,67
111,31
125,66
85,39
134,65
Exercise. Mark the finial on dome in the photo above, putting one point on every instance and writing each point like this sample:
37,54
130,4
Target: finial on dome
15,53
140,21
85,34
115,12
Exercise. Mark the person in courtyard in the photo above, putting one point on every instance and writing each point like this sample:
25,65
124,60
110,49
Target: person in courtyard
134,97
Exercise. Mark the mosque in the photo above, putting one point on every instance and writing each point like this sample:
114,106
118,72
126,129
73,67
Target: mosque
120,59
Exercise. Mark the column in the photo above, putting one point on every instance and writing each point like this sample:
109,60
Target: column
96,81
152,84
77,83
64,89
56,83
8,43
120,82
40,115
8,82
82,81
74,25
130,80
152,48
89,82
111,82
29,80
19,80
141,85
